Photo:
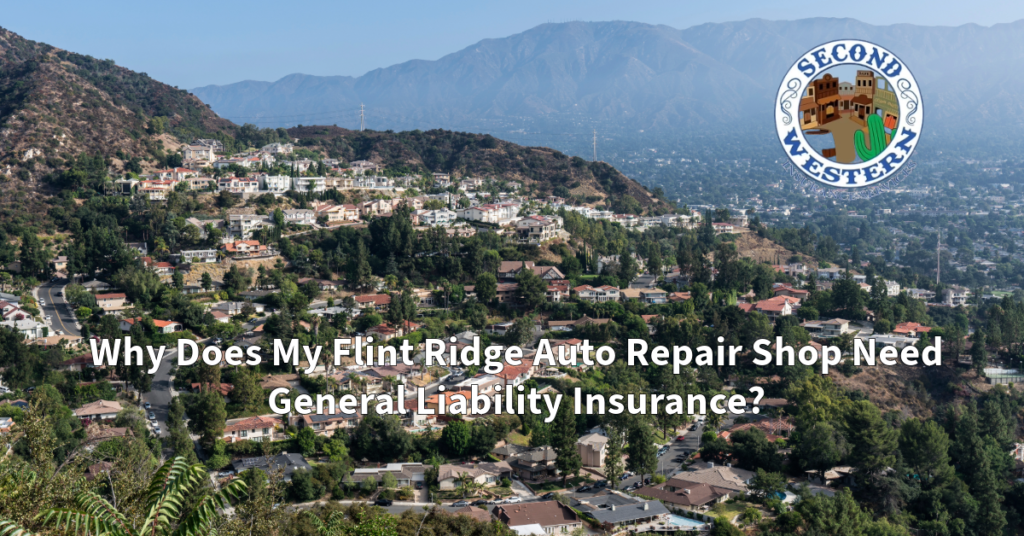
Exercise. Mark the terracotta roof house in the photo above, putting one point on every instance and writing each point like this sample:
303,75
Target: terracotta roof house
259,428
910,329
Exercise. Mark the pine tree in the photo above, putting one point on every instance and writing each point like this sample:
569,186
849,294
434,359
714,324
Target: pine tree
563,440
643,455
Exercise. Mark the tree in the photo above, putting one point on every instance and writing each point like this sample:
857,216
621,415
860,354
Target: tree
178,497
359,271
872,440
563,440
486,287
456,437
613,463
767,484
207,281
532,288
179,280
180,442
821,447
979,357
521,332
208,421
643,454
925,449
247,392
306,441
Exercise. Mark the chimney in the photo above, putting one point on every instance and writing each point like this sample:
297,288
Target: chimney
686,491
613,508
711,464
647,506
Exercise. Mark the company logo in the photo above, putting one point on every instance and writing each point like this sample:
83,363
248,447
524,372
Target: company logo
849,114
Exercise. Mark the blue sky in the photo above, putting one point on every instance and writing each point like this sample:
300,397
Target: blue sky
189,43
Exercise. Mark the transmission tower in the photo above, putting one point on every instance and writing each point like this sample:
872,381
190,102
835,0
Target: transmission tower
595,145
362,123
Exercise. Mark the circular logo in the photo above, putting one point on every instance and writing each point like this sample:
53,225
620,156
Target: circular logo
849,114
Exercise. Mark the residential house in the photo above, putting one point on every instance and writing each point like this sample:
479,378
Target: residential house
892,288
720,476
434,217
243,225
326,424
141,247
299,216
198,152
176,174
507,292
592,448
604,293
277,184
278,148
558,290
28,327
539,229
406,474
376,302
827,329
776,307
111,302
309,184
653,296
238,185
99,410
286,463
259,428
96,286
162,326
533,463
235,307
551,517
623,515
955,296
910,329
496,213
686,495
449,476
246,248
788,290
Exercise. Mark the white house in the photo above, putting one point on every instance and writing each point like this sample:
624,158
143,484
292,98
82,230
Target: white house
275,183
198,255
309,184
299,216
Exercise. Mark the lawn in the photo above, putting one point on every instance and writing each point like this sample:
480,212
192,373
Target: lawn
518,439
730,509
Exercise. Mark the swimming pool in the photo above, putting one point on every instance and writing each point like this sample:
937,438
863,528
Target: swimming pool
687,523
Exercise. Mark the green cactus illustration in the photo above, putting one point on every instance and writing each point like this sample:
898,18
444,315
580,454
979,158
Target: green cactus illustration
877,132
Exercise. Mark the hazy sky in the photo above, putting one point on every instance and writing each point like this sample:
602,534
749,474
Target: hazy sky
189,43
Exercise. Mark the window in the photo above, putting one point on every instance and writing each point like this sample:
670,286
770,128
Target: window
243,433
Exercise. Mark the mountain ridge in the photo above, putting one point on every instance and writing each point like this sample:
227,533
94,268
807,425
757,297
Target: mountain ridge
629,76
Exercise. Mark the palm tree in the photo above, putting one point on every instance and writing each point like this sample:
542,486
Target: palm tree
335,526
173,484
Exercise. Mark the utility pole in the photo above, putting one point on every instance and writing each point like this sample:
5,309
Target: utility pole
595,145
362,124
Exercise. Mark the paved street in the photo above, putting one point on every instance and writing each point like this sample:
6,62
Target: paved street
61,318
159,396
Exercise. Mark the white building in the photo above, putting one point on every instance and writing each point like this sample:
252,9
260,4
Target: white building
892,288
434,217
278,148
243,225
198,255
299,216
275,183
309,184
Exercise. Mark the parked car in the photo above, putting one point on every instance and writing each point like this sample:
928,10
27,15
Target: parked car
601,484
581,489
419,485
514,499
548,495
481,502
147,405
383,502
152,416
156,430
223,474
459,504
681,438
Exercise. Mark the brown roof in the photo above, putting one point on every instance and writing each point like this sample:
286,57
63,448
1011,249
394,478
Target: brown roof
544,513
376,299
683,493
250,423
99,407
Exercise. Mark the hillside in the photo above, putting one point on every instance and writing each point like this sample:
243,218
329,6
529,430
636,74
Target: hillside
547,171
56,104
623,77
68,120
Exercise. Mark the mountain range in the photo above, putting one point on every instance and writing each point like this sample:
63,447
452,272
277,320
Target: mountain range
629,76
